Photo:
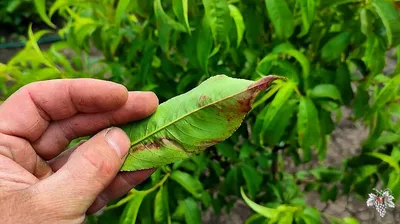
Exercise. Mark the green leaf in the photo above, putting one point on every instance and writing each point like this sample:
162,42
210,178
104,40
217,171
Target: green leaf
180,8
162,17
238,18
191,184
231,183
218,16
193,213
350,220
161,207
120,11
277,116
253,179
327,91
281,17
331,3
264,211
307,124
188,124
41,9
385,95
361,106
335,46
390,18
131,210
300,57
308,8
327,174
389,160
387,138
343,83
375,52
366,19
226,150
204,44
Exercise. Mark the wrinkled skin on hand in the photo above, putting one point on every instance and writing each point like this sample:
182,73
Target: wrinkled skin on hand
40,181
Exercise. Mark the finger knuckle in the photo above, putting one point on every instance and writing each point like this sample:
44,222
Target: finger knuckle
100,161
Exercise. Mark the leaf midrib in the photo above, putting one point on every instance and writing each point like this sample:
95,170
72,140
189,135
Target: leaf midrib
192,112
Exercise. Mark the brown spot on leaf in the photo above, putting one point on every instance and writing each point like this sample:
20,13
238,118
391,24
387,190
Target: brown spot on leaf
201,100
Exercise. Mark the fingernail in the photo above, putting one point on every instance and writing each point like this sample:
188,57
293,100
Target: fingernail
118,140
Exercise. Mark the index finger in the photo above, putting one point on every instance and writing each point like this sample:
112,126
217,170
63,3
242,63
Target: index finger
27,112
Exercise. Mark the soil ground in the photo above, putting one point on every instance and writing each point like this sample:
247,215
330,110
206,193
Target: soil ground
345,141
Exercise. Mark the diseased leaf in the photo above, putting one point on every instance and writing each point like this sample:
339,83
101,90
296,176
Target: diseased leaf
191,184
180,8
218,14
238,18
188,124
390,18
335,46
281,17
131,210
308,8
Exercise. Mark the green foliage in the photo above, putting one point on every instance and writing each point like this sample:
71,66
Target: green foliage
332,52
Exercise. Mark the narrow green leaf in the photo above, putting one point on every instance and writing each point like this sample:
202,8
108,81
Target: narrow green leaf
350,220
307,124
281,18
41,9
189,123
120,11
390,18
162,17
385,95
327,91
180,8
193,213
300,57
343,83
331,3
361,106
131,210
238,18
308,8
375,53
264,211
218,14
204,44
191,184
387,138
274,125
366,19
253,179
387,159
333,49
231,183
161,206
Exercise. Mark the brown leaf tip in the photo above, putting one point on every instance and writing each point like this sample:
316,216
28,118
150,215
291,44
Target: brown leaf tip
265,82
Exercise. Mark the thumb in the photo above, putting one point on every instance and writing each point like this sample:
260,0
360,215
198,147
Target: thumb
89,169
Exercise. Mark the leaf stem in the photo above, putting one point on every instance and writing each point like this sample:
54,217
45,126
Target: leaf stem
158,184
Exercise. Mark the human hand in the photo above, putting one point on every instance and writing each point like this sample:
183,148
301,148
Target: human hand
39,183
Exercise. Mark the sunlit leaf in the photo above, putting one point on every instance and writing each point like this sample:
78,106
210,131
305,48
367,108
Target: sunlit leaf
281,17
